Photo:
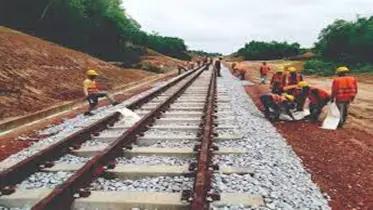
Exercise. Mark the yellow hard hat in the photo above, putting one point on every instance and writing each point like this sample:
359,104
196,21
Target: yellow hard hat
342,69
303,84
92,73
280,70
292,69
288,97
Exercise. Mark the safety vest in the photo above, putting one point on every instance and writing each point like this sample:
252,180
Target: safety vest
264,70
277,98
91,86
344,88
322,94
279,80
294,80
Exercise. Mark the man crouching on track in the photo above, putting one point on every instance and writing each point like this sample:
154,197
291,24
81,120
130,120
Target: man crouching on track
92,92
275,104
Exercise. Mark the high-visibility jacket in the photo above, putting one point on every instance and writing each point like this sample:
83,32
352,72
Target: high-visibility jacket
313,92
294,78
278,80
90,86
344,88
278,98
264,70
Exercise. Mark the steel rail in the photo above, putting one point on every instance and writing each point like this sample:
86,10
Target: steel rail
62,197
18,172
200,197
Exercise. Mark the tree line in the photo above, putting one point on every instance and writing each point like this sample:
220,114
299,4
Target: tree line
257,50
98,27
344,43
204,53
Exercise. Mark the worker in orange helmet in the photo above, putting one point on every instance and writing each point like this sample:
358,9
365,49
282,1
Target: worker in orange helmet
278,81
318,99
294,78
274,104
344,90
92,92
264,70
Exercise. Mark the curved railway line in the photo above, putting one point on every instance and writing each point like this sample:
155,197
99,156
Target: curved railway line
174,137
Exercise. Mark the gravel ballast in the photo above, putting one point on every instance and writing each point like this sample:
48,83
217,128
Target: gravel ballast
154,160
44,180
156,184
173,144
279,175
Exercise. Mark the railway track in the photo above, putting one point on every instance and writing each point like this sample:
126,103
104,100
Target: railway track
196,145
172,144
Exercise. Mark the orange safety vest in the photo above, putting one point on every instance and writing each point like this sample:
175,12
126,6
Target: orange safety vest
344,88
91,86
277,98
264,70
298,78
322,94
279,79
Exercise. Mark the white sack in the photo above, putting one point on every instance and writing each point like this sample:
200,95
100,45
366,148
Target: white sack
128,116
332,119
297,115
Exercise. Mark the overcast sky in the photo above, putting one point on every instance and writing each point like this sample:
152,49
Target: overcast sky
225,25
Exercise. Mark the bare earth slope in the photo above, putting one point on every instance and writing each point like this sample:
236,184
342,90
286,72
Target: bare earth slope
48,74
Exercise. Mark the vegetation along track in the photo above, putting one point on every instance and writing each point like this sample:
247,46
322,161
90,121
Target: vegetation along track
153,158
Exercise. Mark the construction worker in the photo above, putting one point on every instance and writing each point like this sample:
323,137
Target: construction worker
278,82
275,104
294,78
217,66
205,62
92,92
318,99
181,68
264,70
198,63
344,90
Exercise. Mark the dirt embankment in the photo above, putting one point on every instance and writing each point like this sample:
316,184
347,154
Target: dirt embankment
159,62
339,161
47,74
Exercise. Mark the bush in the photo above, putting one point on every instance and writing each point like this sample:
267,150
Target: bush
325,68
319,67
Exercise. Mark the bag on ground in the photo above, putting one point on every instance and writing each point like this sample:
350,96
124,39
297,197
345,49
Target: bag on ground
332,119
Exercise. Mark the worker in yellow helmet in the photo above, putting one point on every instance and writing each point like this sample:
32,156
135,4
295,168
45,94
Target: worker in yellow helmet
278,81
274,104
92,92
344,90
318,99
294,77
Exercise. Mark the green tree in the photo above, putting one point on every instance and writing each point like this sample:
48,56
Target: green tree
349,42
256,50
98,27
